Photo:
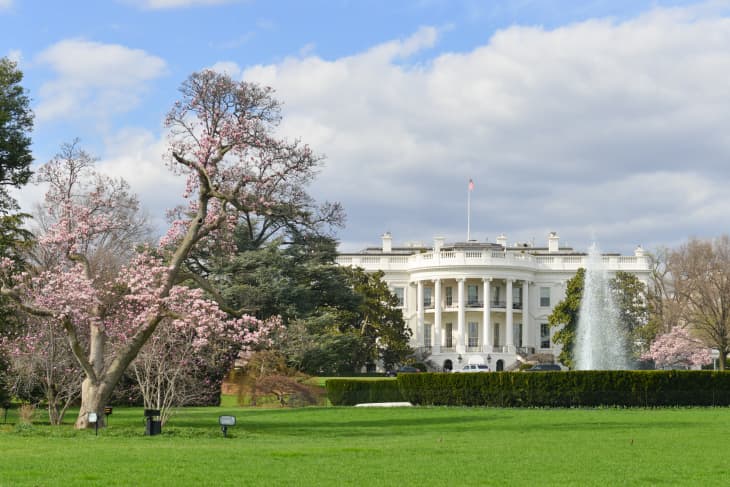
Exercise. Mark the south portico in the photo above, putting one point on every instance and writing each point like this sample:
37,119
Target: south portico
473,318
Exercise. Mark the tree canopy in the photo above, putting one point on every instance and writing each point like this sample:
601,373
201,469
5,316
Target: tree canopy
699,276
222,140
16,122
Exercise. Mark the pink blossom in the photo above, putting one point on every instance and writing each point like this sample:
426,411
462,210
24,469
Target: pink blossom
678,349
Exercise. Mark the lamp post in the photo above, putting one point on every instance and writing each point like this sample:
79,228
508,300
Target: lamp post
225,422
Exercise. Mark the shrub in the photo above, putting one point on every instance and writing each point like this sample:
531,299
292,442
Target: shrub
344,392
569,389
26,413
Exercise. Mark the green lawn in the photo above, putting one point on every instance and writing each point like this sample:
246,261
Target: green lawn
400,446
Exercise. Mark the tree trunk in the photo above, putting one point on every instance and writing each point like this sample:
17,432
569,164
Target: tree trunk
722,359
53,413
93,400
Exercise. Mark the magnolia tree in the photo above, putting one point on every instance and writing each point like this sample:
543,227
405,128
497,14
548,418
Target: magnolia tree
678,349
221,138
181,365
42,362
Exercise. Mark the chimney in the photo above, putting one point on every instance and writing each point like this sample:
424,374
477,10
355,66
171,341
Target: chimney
502,240
438,243
639,251
553,242
387,242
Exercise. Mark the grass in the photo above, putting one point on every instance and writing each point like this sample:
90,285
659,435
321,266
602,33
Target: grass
399,446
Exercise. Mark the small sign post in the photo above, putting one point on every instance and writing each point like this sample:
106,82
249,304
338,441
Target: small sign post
225,422
93,418
107,413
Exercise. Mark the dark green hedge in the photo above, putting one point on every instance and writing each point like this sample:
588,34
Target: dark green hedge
348,392
569,389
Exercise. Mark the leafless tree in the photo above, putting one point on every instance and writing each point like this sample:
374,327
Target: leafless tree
698,274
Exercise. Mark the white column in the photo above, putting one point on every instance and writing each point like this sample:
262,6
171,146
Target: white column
436,344
510,330
526,342
421,314
462,315
486,325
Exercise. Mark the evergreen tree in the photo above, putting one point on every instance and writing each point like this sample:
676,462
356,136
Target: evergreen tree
565,316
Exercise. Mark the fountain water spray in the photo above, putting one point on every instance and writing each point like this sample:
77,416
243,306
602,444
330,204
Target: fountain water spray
600,341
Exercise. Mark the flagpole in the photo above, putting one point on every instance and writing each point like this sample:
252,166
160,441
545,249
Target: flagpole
468,216
468,211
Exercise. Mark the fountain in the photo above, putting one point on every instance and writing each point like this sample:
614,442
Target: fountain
600,343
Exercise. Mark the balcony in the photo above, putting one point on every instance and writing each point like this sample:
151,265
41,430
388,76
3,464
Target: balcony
474,303
487,258
503,304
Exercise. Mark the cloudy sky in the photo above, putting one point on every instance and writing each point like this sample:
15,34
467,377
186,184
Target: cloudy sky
604,119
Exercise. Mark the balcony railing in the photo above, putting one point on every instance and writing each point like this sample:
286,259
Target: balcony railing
486,257
474,303
503,304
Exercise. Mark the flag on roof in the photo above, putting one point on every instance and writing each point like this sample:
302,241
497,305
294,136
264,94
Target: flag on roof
471,185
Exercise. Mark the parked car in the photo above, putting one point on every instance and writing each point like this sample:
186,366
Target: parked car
544,368
406,369
474,368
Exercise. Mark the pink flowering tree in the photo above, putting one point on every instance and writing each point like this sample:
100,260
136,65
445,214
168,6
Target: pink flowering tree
221,139
42,361
178,365
678,349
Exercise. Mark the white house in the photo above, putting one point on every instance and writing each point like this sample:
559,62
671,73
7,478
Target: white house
480,302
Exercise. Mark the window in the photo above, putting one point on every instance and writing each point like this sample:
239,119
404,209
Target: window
400,294
544,335
545,297
427,296
473,334
517,328
449,296
448,335
517,297
427,335
496,335
472,295
495,298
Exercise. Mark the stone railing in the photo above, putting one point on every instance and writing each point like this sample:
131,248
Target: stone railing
488,258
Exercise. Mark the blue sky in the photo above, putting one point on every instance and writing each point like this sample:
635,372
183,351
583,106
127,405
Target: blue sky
596,119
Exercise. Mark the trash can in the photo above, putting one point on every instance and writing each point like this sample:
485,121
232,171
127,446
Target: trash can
153,424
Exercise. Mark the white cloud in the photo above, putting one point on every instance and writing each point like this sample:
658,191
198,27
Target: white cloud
227,67
589,126
137,156
5,4
94,78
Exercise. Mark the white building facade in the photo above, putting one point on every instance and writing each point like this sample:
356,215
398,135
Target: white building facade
478,302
